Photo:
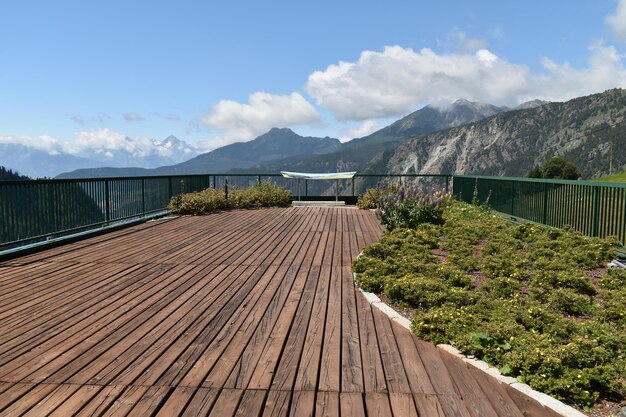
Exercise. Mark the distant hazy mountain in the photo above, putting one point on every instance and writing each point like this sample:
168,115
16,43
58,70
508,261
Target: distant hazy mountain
143,153
38,164
358,153
589,130
273,145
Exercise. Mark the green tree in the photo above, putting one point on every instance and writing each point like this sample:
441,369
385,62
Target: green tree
556,168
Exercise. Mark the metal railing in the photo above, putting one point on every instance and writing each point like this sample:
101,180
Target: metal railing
40,210
593,208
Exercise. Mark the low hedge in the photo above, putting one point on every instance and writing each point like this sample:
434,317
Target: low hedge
265,194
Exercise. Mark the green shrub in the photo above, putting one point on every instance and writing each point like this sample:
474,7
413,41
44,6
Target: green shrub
265,194
408,208
536,315
373,198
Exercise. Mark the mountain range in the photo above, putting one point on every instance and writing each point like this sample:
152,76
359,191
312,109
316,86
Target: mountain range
590,131
140,153
463,137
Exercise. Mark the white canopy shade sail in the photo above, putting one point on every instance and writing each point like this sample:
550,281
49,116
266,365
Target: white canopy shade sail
310,176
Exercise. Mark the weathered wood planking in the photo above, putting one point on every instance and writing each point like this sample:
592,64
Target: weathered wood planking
242,313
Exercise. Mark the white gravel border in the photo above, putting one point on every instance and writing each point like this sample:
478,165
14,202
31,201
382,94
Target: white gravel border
543,399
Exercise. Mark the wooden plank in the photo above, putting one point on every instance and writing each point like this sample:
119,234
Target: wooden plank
327,404
52,401
287,366
30,398
126,401
500,400
227,403
392,361
437,371
351,404
251,404
351,363
277,404
302,404
12,392
150,402
474,398
373,371
402,405
106,346
97,405
309,367
176,402
415,371
330,364
201,403
529,406
266,365
106,320
242,371
377,405
76,401
428,405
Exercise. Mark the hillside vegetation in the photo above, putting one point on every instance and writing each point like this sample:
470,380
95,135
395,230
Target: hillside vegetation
582,130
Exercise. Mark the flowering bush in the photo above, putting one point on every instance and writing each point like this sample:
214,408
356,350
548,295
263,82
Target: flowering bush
374,197
408,208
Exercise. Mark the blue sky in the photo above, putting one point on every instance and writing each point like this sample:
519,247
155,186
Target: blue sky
216,72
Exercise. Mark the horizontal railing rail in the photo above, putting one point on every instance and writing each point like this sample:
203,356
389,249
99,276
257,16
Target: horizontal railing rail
594,208
35,211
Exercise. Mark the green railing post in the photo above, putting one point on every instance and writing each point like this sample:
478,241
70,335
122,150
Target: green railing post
447,183
596,211
170,188
545,203
143,196
512,197
258,179
107,215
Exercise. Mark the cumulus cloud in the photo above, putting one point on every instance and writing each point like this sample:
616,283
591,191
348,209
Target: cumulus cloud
245,121
133,117
617,21
395,81
364,129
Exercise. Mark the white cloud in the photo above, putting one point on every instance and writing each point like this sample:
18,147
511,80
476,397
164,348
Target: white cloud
133,117
604,70
41,143
617,21
395,81
367,127
241,122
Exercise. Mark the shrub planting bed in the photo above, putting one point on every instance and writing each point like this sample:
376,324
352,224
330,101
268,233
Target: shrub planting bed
265,194
538,303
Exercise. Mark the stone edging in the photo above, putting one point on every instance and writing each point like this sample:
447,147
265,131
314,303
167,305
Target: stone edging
543,399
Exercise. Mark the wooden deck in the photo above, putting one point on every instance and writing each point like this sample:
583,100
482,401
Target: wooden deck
245,313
